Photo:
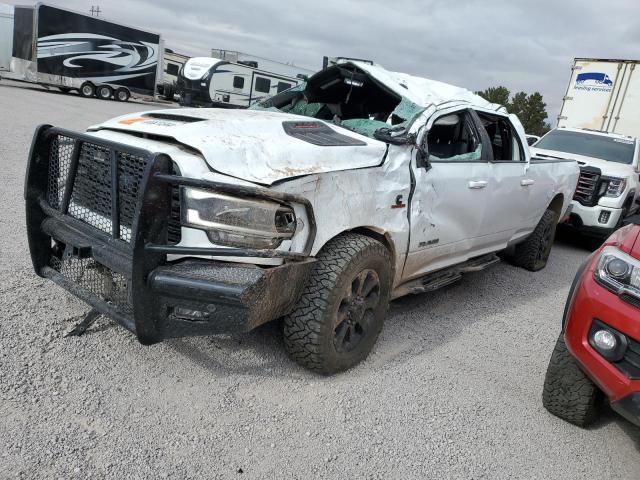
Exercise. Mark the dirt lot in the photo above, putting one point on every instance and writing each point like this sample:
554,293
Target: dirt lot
452,389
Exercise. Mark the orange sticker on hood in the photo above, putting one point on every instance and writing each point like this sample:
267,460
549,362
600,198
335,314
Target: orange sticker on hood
129,121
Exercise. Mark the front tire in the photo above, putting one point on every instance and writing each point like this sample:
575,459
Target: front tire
568,393
533,253
342,308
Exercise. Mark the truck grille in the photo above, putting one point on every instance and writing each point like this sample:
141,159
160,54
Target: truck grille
91,196
587,188
90,275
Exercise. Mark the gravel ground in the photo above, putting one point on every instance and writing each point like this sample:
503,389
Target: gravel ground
452,389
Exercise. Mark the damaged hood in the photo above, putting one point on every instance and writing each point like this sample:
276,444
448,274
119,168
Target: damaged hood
253,145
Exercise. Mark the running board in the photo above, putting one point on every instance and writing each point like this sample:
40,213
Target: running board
442,278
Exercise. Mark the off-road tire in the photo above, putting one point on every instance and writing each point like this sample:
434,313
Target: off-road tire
568,393
311,331
533,253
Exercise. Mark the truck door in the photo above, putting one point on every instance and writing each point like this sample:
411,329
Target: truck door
510,205
449,201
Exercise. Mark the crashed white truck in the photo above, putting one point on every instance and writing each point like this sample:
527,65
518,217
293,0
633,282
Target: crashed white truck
318,206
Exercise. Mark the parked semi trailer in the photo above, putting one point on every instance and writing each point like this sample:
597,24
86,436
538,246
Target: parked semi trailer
72,51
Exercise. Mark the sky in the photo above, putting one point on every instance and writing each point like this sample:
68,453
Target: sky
524,45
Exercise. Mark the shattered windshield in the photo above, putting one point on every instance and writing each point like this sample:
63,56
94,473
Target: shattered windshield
618,150
348,97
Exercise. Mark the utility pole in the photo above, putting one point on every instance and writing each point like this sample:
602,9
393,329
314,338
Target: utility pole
95,10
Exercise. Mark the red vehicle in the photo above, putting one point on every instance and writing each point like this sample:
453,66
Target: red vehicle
598,351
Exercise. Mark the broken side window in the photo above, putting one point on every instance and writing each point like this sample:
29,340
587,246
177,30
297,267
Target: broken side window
505,142
453,138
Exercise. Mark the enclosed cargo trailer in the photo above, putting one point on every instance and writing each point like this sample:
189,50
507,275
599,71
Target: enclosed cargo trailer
603,95
72,51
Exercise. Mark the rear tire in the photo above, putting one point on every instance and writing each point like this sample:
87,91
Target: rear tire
168,92
533,253
87,89
568,393
104,92
342,308
122,95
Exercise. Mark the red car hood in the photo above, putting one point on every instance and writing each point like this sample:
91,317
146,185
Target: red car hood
626,239
635,250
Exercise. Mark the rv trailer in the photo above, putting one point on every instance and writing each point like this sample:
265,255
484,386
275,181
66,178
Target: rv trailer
55,47
173,63
6,36
216,82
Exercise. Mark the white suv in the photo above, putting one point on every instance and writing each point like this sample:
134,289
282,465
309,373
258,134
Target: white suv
609,185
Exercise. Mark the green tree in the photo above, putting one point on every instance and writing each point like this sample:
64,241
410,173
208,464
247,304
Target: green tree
530,109
499,95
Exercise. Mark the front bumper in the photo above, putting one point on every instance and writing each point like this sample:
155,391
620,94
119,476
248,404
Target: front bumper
596,220
107,242
590,302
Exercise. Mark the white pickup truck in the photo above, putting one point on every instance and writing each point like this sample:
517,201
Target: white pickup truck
318,206
608,190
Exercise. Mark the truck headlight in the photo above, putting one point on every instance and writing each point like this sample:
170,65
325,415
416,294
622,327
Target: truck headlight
618,271
615,186
237,222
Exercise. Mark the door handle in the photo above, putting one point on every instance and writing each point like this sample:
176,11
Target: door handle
477,184
526,182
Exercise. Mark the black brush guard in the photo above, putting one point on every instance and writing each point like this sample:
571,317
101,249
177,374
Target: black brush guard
99,224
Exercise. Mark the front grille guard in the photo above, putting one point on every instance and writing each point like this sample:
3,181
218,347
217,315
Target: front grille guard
125,261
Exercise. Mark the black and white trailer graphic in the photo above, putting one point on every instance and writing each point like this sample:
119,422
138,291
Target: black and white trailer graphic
72,51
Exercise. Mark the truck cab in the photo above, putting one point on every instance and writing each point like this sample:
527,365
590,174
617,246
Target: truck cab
608,190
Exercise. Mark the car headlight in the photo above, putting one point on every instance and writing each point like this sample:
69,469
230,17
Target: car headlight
614,186
238,222
618,271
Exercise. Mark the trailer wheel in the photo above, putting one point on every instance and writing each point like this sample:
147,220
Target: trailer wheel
104,92
87,89
122,95
167,92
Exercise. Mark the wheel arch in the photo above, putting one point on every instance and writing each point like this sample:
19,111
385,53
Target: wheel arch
378,234
556,204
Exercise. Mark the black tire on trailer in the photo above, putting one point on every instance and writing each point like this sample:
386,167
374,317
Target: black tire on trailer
104,92
168,92
122,94
533,253
87,89
568,393
343,305
64,89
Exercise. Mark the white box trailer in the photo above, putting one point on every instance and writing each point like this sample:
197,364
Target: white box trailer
603,95
72,51
6,36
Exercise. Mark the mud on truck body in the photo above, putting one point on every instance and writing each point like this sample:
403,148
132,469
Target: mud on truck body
317,206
